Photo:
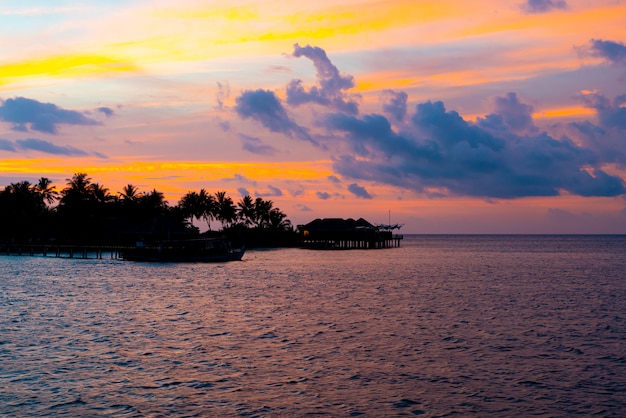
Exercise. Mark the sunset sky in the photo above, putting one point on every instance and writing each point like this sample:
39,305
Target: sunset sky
446,116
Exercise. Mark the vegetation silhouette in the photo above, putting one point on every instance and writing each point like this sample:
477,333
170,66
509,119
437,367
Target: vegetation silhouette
85,212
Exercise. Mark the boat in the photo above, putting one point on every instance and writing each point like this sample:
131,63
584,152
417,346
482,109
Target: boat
211,250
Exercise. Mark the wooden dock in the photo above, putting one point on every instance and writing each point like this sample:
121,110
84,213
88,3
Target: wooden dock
63,251
339,243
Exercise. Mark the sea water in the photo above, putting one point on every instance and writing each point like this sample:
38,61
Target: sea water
465,325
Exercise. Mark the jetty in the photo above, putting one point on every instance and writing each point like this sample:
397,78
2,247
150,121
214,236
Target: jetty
347,234
63,251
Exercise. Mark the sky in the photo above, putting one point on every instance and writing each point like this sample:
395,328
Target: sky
445,116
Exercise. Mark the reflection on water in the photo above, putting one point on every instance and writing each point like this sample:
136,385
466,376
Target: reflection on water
488,325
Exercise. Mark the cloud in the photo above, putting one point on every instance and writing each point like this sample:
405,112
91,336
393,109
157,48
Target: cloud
48,147
107,111
243,191
223,92
614,52
611,114
323,195
334,179
6,145
28,114
302,207
271,192
359,191
394,104
543,6
442,151
264,107
331,84
224,125
515,115
436,152
274,191
256,146
240,179
607,138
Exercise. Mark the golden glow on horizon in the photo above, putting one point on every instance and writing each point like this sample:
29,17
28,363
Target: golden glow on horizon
117,171
63,65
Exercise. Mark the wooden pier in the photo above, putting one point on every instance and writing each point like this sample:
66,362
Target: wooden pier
63,251
352,244
346,234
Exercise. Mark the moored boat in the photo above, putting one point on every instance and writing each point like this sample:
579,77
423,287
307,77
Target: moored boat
195,250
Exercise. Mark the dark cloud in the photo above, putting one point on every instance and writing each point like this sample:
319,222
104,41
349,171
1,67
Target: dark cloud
303,208
28,114
264,107
6,145
611,51
484,159
359,191
240,179
49,147
334,179
243,191
106,111
611,114
256,146
543,6
433,151
332,84
271,192
516,115
607,138
274,191
323,195
394,104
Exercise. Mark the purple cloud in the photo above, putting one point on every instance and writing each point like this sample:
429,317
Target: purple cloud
394,104
359,191
6,145
323,195
256,146
543,6
106,111
28,114
516,115
332,84
611,114
483,159
614,52
48,147
243,191
264,107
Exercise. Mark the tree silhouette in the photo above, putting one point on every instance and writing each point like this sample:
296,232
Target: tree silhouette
226,209
245,210
88,213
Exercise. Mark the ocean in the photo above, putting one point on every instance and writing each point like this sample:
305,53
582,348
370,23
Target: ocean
444,325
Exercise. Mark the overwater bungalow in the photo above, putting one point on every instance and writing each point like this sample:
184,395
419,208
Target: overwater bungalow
344,234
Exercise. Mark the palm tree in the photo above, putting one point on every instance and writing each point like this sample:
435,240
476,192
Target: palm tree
100,194
226,210
190,206
77,190
278,220
262,210
129,193
153,203
46,190
246,210
208,206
